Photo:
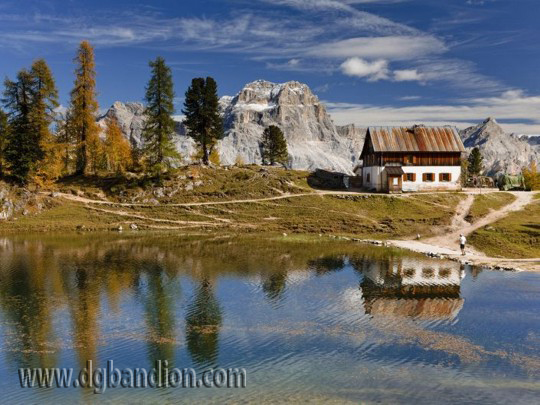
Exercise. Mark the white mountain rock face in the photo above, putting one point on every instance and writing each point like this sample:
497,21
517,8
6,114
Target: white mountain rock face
130,117
502,152
312,138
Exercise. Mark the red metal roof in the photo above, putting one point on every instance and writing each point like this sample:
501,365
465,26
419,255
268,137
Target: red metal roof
416,139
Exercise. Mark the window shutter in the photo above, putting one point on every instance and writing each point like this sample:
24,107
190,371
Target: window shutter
405,177
414,177
424,177
449,176
441,176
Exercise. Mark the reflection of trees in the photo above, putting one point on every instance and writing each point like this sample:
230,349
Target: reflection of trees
83,288
327,264
203,322
40,279
274,285
25,300
159,303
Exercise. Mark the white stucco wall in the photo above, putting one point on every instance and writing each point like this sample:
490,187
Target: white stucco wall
375,177
419,185
377,181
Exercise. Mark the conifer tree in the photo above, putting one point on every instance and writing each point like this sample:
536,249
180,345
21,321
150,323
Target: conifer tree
117,148
158,148
96,158
84,108
43,116
4,129
476,162
274,146
66,140
203,121
23,150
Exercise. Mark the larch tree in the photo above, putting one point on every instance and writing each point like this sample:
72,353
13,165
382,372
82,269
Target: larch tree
201,107
531,177
4,129
43,116
66,139
23,149
117,148
476,164
84,108
274,146
158,146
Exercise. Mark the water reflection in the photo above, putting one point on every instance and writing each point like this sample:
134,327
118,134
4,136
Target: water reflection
302,317
39,280
203,321
412,288
159,309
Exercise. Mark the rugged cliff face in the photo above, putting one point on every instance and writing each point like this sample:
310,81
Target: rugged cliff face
312,138
130,116
502,152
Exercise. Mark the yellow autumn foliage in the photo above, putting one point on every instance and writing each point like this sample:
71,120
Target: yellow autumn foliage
531,177
117,148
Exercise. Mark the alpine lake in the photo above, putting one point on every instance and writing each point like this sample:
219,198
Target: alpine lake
310,319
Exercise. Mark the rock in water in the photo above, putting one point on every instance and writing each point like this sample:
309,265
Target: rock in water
503,153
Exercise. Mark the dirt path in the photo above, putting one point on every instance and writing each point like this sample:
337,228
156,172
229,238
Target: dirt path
460,226
447,244
146,218
224,202
194,204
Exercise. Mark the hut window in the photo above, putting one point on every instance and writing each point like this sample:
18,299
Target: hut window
428,177
409,159
368,178
445,177
409,177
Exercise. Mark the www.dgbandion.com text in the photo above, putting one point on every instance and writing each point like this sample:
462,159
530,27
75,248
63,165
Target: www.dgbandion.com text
102,378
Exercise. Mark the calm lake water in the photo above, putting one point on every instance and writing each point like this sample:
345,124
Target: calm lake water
324,321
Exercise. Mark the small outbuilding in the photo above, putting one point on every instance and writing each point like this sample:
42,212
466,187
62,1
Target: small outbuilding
397,159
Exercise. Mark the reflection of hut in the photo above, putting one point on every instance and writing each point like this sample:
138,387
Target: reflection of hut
412,288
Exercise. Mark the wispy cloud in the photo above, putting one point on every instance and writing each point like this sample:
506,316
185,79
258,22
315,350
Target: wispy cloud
515,111
387,47
330,36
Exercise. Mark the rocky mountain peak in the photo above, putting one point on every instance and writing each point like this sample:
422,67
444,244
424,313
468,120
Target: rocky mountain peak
502,152
265,93
313,139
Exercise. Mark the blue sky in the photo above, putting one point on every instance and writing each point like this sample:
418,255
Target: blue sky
374,62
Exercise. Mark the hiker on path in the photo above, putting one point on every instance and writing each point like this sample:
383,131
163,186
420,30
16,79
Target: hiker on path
462,241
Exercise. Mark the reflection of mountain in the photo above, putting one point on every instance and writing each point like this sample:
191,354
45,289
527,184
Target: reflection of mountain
412,288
